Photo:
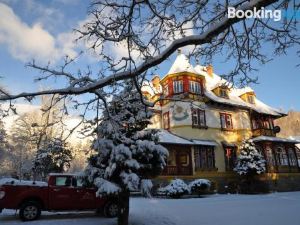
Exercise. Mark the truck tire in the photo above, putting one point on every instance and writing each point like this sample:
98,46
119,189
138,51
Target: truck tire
111,209
30,210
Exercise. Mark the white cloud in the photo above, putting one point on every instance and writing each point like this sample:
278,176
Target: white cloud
67,2
25,42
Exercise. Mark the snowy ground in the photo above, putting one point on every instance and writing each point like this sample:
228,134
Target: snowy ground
271,209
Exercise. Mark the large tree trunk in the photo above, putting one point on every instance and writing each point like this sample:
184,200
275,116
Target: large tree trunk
123,211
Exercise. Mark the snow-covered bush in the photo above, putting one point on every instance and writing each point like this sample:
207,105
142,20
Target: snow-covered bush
175,189
199,186
250,161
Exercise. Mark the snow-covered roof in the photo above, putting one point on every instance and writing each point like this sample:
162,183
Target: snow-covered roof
181,64
296,138
166,137
204,142
148,87
211,82
274,139
241,91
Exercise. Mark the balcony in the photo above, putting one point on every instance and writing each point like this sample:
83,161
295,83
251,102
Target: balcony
263,132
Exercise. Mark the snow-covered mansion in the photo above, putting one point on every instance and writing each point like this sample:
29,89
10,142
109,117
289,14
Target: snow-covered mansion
203,121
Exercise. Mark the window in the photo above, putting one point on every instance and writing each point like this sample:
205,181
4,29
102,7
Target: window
251,99
172,158
224,93
226,121
63,181
255,124
204,158
78,182
269,156
262,123
230,157
198,118
195,87
166,90
298,155
178,86
281,156
292,157
183,159
166,120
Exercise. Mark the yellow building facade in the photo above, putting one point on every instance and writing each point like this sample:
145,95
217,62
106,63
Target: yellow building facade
204,119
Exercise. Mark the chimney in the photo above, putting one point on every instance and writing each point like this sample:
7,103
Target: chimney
155,81
210,70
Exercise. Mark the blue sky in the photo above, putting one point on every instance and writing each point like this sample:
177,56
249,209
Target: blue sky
42,29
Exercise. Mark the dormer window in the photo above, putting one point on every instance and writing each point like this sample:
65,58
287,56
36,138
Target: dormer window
195,87
177,86
224,93
251,99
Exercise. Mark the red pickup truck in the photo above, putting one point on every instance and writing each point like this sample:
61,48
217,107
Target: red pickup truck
62,192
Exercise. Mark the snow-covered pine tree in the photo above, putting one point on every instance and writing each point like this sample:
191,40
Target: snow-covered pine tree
53,157
126,153
250,161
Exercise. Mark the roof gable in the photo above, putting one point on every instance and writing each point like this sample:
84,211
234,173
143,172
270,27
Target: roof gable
181,64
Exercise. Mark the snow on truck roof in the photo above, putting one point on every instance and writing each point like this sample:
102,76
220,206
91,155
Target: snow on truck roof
16,182
62,174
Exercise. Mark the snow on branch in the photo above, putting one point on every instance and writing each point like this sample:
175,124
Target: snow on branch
144,53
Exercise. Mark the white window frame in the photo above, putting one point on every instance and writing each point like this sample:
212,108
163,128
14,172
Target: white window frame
226,121
195,87
198,118
177,86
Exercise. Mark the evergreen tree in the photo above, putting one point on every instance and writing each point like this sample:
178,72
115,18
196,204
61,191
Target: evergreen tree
53,157
3,141
4,146
250,161
126,154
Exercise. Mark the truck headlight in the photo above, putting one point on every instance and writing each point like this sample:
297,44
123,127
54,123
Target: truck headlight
2,194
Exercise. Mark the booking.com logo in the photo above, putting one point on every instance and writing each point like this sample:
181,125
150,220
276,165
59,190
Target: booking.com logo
263,13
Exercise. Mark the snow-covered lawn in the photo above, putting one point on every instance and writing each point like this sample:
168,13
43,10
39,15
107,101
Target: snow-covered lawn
271,209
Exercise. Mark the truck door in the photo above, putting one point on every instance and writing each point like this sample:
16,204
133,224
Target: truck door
61,194
85,197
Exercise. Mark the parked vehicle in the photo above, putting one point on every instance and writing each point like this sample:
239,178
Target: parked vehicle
63,192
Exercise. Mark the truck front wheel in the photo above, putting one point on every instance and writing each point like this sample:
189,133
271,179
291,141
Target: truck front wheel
30,210
111,209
